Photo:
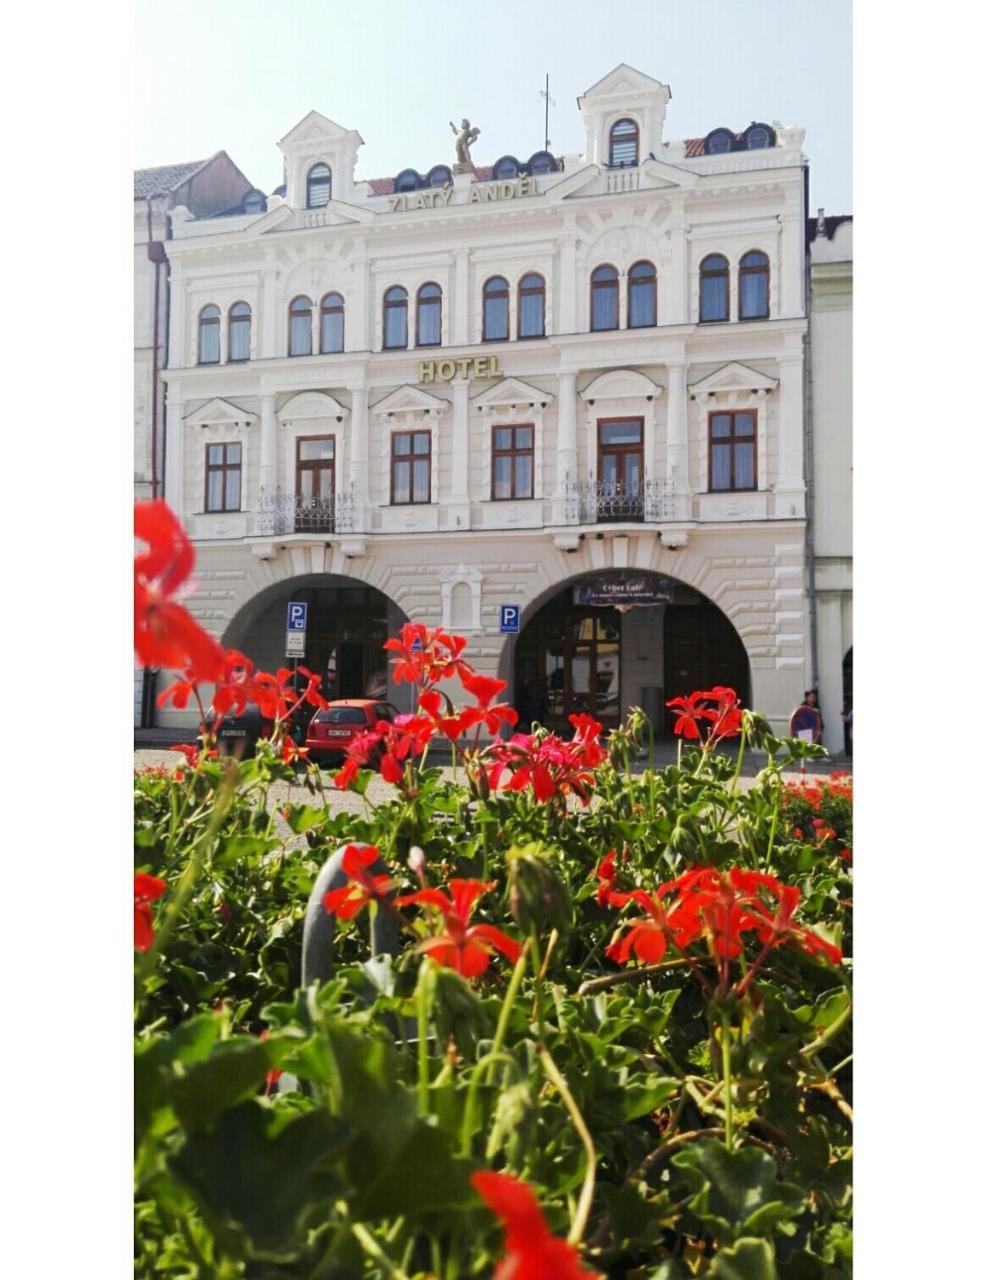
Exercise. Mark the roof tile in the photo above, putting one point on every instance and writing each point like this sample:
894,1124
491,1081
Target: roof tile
164,178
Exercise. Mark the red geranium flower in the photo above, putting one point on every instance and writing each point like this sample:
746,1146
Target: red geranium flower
461,946
348,901
346,775
426,656
689,713
274,1073
548,764
532,1252
147,889
193,753
485,689
726,715
165,633
606,874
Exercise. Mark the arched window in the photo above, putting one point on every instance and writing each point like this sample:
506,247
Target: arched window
605,298
209,335
642,295
439,176
331,330
253,202
299,337
542,162
759,136
506,167
407,180
239,331
753,286
532,306
395,318
319,186
718,142
429,316
714,288
624,139
495,310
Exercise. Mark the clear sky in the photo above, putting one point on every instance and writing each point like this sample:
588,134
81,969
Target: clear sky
239,74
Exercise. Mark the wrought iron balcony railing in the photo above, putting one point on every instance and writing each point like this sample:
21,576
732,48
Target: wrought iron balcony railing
600,502
283,513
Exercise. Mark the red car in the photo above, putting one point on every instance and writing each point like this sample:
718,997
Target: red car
331,732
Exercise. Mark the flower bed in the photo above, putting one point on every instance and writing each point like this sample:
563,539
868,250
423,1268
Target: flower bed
613,1036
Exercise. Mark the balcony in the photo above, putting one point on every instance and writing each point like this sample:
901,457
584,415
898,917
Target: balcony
599,502
285,513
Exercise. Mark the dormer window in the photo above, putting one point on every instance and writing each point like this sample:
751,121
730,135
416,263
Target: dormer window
506,167
254,202
319,186
759,136
624,141
542,162
440,176
407,180
719,142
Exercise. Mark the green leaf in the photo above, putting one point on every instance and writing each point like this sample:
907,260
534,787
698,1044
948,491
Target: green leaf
302,817
423,1176
736,1193
746,1260
641,1096
235,1070
258,1176
241,849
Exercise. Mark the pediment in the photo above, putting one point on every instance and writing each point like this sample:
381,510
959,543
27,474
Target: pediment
733,377
657,173
314,130
576,183
618,384
311,404
623,79
511,391
219,411
409,399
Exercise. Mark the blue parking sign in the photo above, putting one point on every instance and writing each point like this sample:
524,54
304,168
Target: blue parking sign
297,616
508,619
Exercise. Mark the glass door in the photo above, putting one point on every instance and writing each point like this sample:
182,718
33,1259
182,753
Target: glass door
315,497
620,469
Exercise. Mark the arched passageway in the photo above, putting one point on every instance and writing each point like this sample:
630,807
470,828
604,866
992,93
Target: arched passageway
615,639
347,625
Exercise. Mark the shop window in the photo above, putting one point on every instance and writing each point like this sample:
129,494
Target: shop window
714,289
319,186
624,138
239,331
332,330
604,298
223,477
732,451
532,306
642,296
209,335
495,309
411,463
395,318
429,316
299,334
753,286
511,462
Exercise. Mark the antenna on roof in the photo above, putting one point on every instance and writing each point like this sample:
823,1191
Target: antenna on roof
545,93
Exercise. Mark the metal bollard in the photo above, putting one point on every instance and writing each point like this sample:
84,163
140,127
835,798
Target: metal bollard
320,927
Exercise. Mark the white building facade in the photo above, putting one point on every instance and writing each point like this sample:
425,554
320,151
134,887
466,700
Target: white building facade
567,393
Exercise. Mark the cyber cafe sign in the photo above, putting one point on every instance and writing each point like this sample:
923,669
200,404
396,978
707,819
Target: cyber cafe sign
480,193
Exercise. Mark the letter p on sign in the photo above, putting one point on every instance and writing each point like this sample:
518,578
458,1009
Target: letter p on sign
508,619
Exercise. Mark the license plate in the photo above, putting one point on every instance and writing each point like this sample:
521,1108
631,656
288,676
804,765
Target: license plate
338,733
232,733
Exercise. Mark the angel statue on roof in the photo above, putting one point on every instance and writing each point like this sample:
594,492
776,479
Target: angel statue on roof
465,138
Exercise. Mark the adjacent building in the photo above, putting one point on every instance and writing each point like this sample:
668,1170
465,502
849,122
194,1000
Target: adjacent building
560,404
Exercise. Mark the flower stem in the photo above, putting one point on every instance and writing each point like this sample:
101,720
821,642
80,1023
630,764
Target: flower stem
740,757
506,1009
373,1250
422,1008
470,1110
588,1186
724,1044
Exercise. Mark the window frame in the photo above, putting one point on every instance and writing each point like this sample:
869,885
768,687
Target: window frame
530,291
410,458
313,464
420,302
755,271
331,310
732,440
594,284
506,294
301,297
222,468
513,453
624,164
711,274
238,320
644,282
395,303
202,325
311,182
617,450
